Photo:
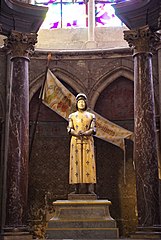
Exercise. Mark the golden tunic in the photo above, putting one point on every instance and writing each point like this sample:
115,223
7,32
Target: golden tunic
82,157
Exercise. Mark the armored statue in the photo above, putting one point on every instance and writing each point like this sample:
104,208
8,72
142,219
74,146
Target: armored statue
82,127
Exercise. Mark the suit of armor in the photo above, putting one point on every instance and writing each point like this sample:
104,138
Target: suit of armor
82,157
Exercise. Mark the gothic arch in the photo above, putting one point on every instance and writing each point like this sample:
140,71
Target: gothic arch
105,80
76,84
68,78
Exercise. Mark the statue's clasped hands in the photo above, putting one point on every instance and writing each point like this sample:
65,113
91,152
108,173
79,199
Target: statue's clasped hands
86,133
81,134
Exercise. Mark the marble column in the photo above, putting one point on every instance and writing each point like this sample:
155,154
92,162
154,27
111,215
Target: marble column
19,45
145,151
159,74
159,135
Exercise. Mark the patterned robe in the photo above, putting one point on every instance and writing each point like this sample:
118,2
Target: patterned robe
82,157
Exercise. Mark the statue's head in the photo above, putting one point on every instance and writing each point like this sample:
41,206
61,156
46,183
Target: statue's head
81,97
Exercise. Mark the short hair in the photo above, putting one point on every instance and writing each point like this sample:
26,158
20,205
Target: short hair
81,96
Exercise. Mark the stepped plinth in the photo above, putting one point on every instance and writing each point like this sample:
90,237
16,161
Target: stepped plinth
82,216
153,232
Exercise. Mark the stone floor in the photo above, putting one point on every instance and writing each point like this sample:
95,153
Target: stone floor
113,239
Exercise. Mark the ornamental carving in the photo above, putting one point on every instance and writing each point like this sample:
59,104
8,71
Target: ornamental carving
20,44
142,39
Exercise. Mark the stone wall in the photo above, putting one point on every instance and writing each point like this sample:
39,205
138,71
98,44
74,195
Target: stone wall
111,37
77,38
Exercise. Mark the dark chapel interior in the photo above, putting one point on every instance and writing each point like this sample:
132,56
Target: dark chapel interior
123,85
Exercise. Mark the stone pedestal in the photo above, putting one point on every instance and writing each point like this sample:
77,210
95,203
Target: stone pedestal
86,197
153,232
82,219
16,236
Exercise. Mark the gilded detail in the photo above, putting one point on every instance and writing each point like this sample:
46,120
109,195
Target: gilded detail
20,44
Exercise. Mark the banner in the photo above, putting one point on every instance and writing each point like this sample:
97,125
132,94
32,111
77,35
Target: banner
58,98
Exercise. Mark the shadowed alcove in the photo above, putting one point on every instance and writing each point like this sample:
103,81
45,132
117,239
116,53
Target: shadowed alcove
116,178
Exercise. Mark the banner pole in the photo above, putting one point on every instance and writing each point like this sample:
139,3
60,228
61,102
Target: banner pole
39,105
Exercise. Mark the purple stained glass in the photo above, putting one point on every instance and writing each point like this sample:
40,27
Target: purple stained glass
67,14
53,16
105,16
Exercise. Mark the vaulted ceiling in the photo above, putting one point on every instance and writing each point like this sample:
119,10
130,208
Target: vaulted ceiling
138,13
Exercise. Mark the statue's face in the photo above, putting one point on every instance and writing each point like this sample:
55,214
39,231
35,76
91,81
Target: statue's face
81,104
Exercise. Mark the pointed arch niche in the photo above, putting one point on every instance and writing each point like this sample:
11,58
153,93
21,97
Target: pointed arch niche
116,102
116,178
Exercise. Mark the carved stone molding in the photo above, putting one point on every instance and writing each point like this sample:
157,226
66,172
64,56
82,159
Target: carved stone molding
142,39
20,44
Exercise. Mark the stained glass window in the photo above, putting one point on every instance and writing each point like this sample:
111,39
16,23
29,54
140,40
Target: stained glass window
74,15
105,15
69,14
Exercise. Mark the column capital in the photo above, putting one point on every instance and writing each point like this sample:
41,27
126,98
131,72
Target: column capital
20,44
142,39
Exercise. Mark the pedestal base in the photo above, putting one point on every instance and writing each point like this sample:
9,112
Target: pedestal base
16,236
29,237
153,232
15,233
73,196
82,219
